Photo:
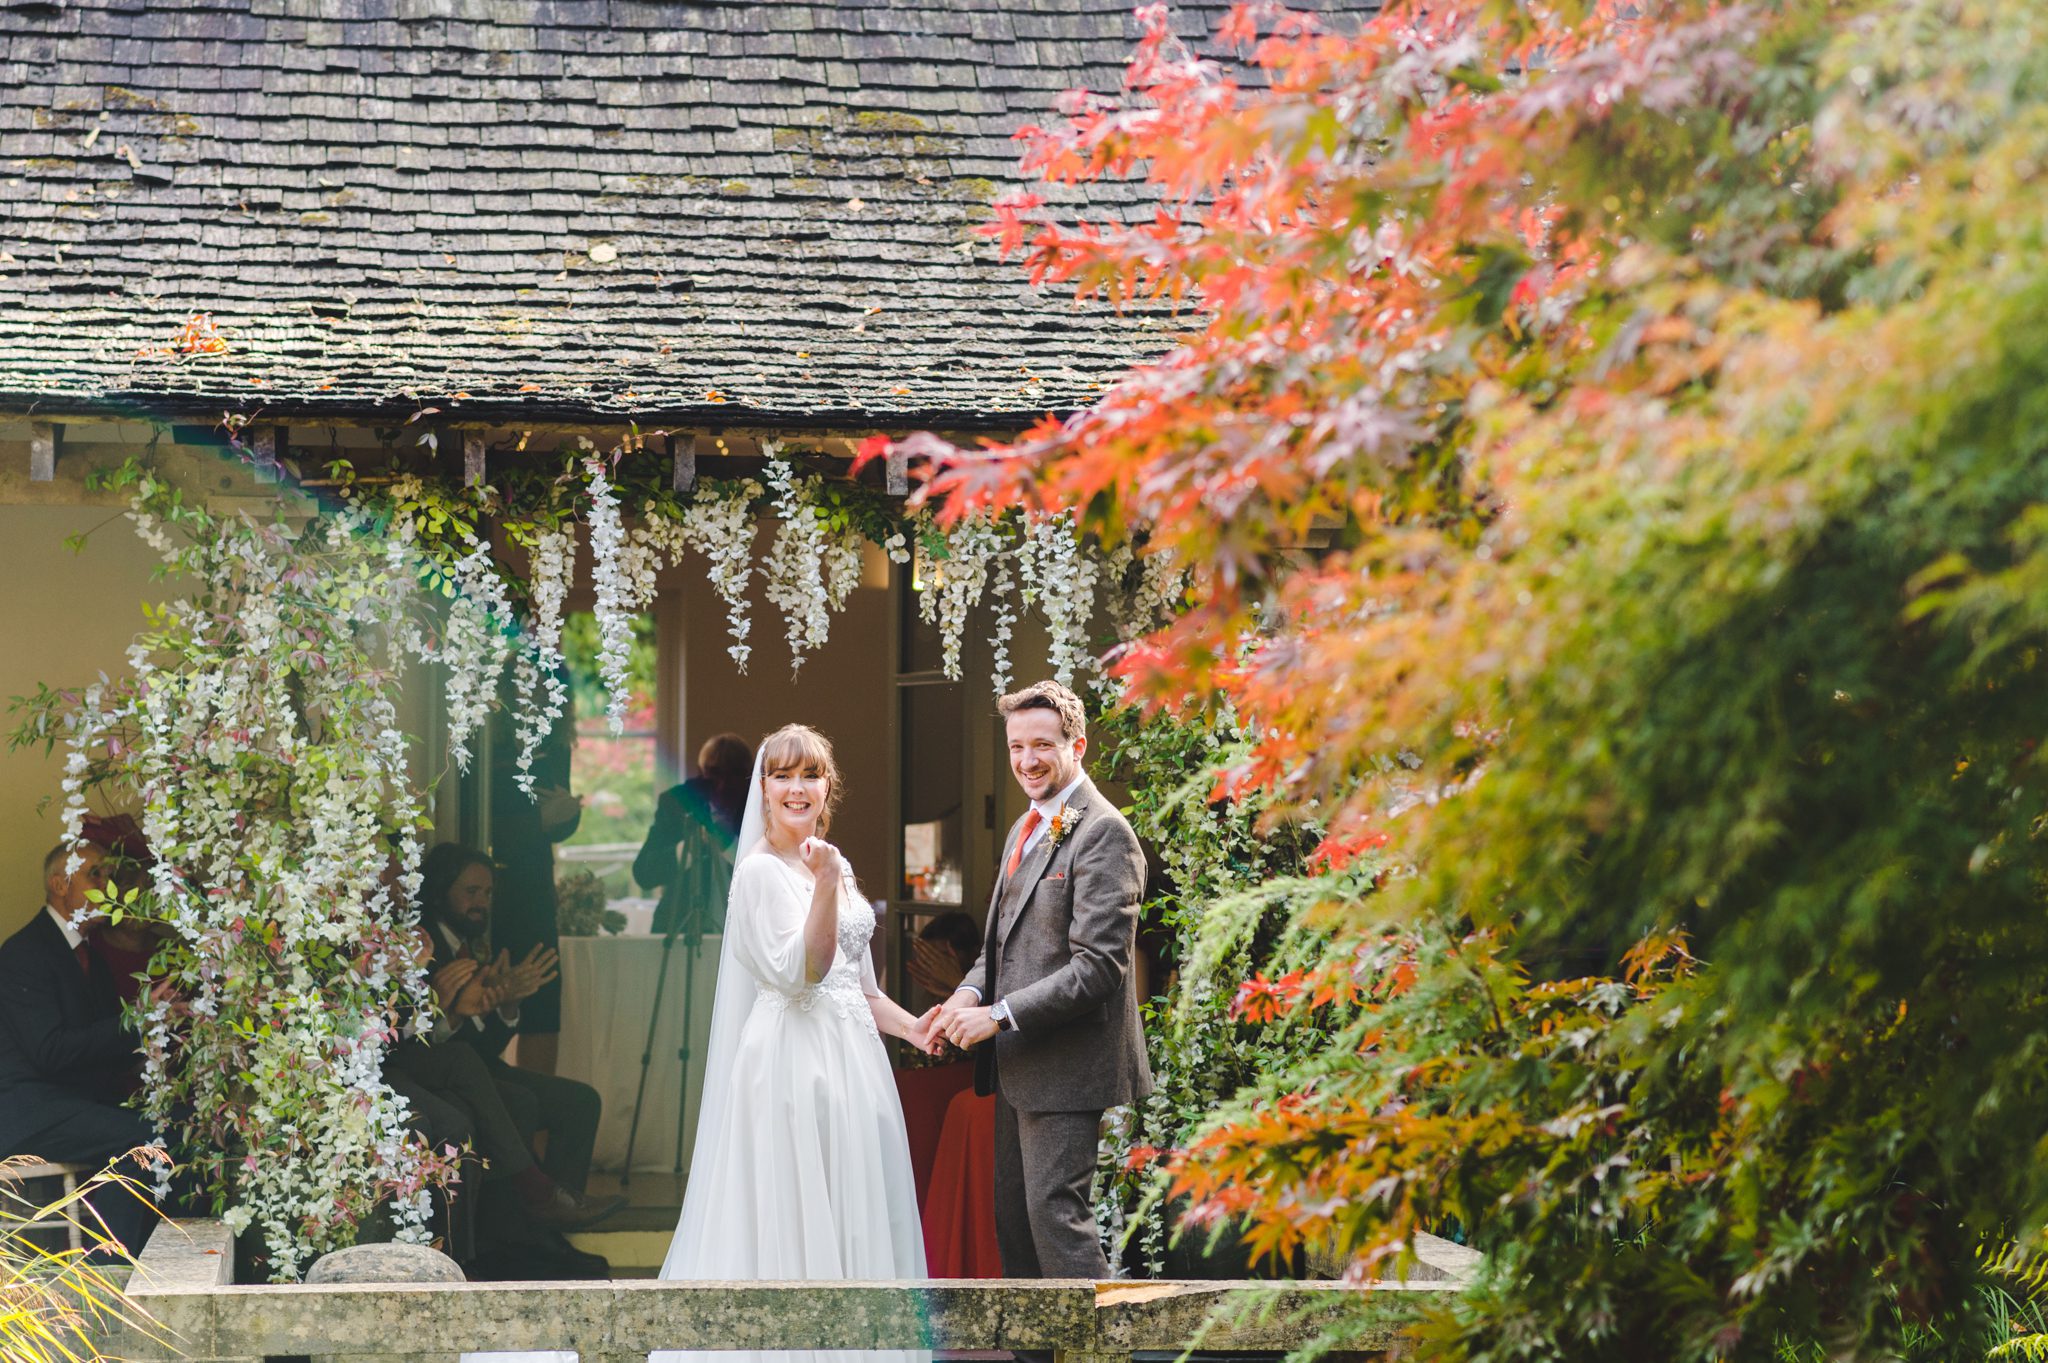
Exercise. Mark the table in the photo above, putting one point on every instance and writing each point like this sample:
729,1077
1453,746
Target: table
960,1203
607,989
925,1091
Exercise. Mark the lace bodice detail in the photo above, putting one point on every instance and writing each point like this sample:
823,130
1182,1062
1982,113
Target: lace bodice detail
843,986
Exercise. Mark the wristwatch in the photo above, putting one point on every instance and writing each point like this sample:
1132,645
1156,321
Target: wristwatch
1000,1016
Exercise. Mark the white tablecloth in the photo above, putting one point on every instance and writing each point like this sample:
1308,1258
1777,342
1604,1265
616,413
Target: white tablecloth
607,991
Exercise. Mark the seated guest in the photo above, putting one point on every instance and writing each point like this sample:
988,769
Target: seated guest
67,1056
945,950
127,946
456,1099
455,909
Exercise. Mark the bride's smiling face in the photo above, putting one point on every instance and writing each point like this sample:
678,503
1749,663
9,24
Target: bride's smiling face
793,800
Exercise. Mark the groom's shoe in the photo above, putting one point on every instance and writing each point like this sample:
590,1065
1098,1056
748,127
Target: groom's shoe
565,1210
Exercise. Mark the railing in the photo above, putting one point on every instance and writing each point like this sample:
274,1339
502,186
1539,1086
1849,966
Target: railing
182,1285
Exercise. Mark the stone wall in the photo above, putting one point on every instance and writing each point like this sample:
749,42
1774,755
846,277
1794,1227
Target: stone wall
614,1322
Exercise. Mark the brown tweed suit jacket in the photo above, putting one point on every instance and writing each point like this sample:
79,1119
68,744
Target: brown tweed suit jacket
1061,934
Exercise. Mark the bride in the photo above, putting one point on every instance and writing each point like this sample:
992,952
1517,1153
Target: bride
801,1168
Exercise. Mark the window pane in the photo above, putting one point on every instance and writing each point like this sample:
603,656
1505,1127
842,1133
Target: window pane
614,774
923,648
932,793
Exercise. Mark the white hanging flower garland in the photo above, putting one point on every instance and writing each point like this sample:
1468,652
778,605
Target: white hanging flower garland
1004,591
794,576
953,585
475,647
612,571
1062,579
542,696
718,523
260,738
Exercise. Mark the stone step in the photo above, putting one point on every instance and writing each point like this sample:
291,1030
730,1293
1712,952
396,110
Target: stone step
627,1250
640,1218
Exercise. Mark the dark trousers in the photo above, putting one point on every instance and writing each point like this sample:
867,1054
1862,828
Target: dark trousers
567,1109
96,1134
1045,1220
455,1093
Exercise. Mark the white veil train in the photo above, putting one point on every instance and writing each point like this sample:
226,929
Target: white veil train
732,999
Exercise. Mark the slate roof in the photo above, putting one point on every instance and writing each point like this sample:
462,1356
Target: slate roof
743,213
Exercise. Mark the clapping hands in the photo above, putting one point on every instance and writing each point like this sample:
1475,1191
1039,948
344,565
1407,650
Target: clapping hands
462,989
934,967
469,988
534,971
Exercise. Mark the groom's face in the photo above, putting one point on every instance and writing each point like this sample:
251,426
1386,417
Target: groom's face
1043,760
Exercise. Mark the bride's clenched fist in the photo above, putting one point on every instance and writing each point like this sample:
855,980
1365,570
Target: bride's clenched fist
820,858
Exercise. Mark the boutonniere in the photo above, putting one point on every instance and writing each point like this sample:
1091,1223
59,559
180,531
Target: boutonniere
1061,824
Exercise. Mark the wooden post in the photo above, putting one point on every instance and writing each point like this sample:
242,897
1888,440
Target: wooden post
472,459
682,455
899,471
42,452
268,444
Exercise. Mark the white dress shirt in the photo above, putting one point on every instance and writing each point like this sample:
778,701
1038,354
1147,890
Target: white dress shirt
71,935
1046,809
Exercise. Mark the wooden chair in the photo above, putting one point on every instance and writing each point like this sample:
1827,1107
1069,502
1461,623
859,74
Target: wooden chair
22,1170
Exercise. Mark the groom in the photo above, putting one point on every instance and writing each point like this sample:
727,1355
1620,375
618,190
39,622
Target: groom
1053,988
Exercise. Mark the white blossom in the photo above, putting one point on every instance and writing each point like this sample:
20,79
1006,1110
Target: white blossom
1060,576
795,575
953,585
475,647
718,522
614,570
1003,589
542,696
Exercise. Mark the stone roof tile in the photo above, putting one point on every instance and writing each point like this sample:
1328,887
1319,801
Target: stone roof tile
383,202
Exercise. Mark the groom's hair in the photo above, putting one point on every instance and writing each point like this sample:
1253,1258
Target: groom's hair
1049,695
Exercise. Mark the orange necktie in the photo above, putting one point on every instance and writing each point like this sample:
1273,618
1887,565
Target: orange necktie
1031,822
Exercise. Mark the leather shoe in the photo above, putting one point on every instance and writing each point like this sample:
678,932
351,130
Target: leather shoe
566,1210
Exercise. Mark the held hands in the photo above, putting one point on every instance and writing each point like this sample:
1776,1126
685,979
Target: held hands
924,1032
970,1027
964,1021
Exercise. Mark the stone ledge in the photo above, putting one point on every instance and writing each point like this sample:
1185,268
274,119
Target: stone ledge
184,1256
204,1320
638,1317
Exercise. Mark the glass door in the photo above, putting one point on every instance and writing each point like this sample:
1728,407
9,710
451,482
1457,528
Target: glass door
940,812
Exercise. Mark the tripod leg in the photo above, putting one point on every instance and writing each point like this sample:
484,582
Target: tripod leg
689,1025
646,1057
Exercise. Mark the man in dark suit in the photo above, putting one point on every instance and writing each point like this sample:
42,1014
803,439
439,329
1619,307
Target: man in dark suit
67,1058
1054,992
456,885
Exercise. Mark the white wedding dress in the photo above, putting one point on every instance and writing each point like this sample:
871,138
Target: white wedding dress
807,1173
801,1167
